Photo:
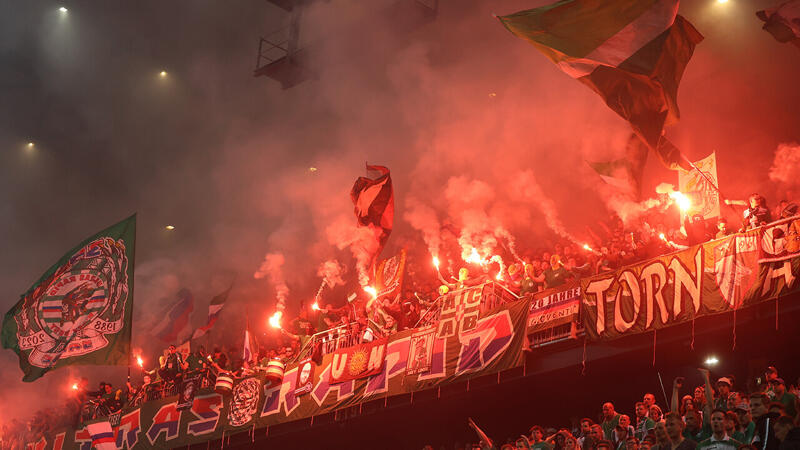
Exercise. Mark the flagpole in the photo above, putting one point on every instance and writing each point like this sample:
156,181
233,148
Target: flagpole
711,182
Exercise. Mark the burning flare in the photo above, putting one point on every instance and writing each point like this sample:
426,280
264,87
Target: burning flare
275,319
371,291
315,306
475,257
74,386
436,262
684,203
139,361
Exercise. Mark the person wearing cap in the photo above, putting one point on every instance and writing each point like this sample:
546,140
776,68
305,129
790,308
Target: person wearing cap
788,399
723,393
719,439
742,409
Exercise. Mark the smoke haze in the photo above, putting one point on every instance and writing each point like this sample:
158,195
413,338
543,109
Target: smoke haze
487,142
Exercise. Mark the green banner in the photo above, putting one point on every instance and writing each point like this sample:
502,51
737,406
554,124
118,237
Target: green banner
710,278
79,311
413,360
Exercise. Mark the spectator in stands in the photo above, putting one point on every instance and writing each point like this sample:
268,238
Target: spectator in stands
788,399
622,431
674,426
595,436
197,360
586,428
610,421
643,423
632,443
732,428
531,282
557,274
722,228
699,398
696,230
787,433
662,438
765,422
656,415
172,365
724,393
758,213
719,440
746,424
537,439
649,400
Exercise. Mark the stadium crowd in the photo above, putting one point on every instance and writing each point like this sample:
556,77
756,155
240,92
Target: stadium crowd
562,261
764,416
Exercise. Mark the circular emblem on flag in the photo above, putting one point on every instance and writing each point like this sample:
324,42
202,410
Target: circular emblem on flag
358,362
80,303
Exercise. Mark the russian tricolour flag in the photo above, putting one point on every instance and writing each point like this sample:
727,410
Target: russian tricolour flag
102,436
176,318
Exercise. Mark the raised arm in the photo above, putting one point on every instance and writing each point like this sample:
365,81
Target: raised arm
677,384
484,438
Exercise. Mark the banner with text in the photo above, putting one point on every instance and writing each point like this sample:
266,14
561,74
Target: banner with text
414,360
554,307
710,278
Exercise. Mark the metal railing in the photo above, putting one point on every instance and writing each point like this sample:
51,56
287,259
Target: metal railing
342,336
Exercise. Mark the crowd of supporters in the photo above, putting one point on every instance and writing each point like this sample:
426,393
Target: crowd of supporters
764,416
609,247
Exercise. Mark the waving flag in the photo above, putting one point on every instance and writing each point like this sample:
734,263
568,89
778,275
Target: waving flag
631,52
102,435
625,174
374,201
702,188
250,352
783,21
79,311
214,309
176,318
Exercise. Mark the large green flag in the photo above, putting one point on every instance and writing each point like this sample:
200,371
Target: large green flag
631,52
79,311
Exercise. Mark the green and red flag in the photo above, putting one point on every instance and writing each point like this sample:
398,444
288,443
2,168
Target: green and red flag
631,52
79,311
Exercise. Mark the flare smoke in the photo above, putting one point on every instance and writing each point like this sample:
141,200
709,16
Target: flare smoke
272,268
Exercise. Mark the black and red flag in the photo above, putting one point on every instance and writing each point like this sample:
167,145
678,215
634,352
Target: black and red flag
374,201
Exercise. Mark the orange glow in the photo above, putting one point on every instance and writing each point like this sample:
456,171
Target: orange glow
436,262
662,237
139,361
275,319
586,247
74,386
371,291
475,257
315,306
684,203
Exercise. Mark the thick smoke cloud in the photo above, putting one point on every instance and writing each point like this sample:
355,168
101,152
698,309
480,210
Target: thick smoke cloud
486,140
